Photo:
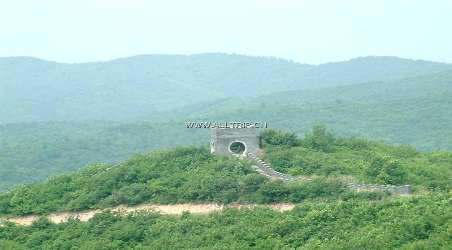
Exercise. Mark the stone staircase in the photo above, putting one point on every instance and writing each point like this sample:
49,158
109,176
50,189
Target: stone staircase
266,170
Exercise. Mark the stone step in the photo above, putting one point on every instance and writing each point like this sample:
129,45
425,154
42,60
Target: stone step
266,169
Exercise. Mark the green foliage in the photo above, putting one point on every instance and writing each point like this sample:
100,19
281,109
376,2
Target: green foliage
319,139
159,83
422,222
385,170
329,216
385,108
274,137
374,110
379,110
323,154
194,175
182,175
33,152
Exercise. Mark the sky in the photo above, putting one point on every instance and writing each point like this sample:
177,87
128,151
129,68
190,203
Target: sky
311,31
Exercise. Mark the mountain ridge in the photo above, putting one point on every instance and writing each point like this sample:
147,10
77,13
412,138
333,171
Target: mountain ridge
129,88
354,59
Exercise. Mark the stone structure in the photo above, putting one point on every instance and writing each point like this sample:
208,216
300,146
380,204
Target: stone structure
234,141
245,142
265,169
399,190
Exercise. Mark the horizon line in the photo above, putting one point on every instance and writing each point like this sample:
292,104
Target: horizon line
226,54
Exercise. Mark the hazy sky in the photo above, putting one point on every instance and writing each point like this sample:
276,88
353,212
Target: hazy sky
314,31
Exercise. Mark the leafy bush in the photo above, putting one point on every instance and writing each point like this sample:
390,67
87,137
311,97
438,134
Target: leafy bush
385,170
277,137
182,175
319,139
421,222
321,153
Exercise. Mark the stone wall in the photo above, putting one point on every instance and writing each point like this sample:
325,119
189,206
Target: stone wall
222,138
265,169
401,190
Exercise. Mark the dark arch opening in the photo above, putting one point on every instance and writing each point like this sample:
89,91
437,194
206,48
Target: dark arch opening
237,147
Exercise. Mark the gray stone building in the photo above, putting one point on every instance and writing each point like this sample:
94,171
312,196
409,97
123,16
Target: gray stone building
230,141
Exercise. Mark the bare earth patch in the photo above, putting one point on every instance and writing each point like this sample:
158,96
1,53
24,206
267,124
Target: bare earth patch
176,209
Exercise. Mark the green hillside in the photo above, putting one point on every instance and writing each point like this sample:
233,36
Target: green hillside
412,111
412,223
321,153
182,175
33,151
327,215
33,90
194,175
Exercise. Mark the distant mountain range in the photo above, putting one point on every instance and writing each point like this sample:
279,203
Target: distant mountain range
33,90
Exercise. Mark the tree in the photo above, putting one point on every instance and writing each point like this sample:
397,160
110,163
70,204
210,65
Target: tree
319,139
383,169
276,137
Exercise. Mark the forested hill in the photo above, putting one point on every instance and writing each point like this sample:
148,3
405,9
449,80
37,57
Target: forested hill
190,174
327,214
414,111
35,90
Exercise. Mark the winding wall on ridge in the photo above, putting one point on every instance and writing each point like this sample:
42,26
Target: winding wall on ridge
265,169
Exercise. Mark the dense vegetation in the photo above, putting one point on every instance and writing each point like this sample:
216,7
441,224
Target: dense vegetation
413,111
32,152
328,215
33,90
194,175
56,118
407,223
322,153
175,176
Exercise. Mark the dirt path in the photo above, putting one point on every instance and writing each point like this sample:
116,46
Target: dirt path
175,209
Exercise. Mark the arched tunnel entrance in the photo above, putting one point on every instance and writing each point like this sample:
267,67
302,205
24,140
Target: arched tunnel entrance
237,147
